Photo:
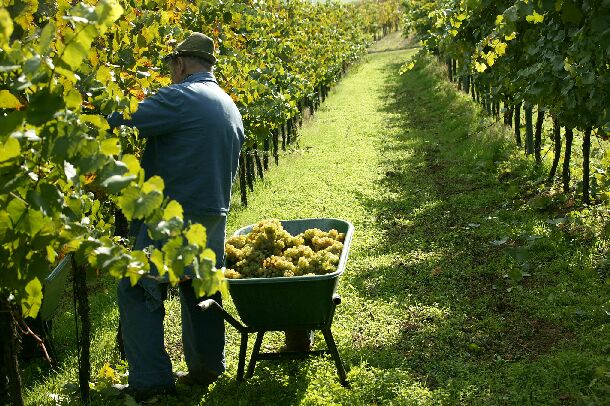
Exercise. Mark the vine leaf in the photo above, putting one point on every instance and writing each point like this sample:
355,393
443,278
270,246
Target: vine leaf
9,150
8,100
43,106
6,27
30,304
195,235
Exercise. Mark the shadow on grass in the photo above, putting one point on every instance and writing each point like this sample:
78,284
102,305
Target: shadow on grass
284,383
450,221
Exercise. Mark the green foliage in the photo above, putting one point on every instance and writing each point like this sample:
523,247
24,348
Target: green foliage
553,54
65,65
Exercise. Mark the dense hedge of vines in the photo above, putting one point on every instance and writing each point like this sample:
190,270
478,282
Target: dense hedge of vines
544,56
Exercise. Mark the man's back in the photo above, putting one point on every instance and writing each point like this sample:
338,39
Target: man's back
194,135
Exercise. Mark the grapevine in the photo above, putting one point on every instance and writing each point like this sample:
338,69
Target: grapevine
525,54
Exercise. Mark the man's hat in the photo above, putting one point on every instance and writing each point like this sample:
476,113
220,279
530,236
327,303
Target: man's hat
198,45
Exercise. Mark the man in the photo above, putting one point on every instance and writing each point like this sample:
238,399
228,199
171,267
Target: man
194,135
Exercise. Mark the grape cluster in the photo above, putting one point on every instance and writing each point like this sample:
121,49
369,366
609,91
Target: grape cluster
270,251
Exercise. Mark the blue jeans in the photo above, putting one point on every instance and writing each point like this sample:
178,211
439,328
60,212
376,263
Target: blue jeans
142,312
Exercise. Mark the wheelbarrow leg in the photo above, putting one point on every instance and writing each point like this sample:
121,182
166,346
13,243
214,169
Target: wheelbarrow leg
241,363
255,351
332,347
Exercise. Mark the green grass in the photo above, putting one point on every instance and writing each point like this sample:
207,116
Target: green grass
462,287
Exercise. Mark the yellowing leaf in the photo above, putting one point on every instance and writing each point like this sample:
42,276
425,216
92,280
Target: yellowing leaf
490,58
111,146
535,18
196,235
407,67
30,304
6,27
499,47
104,75
73,99
25,18
8,100
9,150
173,209
132,163
107,12
106,372
480,67
154,184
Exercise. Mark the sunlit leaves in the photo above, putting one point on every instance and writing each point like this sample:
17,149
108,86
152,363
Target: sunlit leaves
110,146
511,36
6,27
173,210
47,36
9,150
534,18
64,72
23,13
8,100
137,203
480,66
30,304
88,23
77,45
195,234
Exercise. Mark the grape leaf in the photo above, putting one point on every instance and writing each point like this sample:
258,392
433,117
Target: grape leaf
9,150
196,235
8,100
6,27
30,304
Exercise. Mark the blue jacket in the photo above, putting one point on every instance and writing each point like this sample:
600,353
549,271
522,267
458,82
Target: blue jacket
194,133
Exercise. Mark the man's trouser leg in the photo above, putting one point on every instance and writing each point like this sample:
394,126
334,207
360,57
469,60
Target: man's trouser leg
150,368
203,337
203,332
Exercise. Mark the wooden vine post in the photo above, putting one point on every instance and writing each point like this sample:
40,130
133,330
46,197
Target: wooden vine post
10,352
557,148
529,129
565,175
81,298
586,170
538,136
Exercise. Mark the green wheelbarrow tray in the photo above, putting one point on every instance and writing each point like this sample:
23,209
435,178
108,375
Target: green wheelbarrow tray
283,303
288,303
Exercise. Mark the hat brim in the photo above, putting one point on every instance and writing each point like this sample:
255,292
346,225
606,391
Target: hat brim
197,54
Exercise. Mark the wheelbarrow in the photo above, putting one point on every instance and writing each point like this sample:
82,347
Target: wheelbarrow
287,303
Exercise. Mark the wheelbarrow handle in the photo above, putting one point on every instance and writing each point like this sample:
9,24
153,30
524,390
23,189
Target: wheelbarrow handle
208,304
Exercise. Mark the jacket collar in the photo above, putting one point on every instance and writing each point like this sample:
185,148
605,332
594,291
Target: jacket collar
200,77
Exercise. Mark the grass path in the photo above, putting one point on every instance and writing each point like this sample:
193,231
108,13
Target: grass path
443,213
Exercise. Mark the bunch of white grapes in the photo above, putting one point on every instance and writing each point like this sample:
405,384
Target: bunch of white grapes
269,251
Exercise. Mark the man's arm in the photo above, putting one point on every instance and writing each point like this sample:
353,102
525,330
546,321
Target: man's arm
155,115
